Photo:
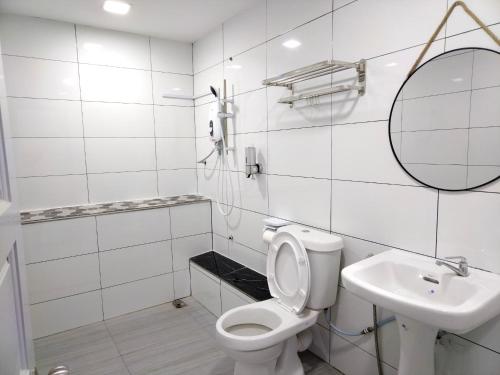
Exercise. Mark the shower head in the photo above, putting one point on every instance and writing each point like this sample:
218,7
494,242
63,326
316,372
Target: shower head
213,91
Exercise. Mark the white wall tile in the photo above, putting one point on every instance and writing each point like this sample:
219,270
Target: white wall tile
301,152
117,120
177,182
250,111
172,121
221,245
362,152
320,345
187,247
107,84
487,10
49,156
250,193
212,76
206,290
219,222
246,228
476,38
176,153
283,15
356,250
53,191
111,187
133,228
59,239
45,118
248,257
304,200
411,23
380,213
468,227
66,313
171,56
207,51
386,74
350,359
137,295
120,154
245,30
34,78
455,355
182,284
172,84
37,37
245,72
191,219
315,39
63,277
135,263
112,48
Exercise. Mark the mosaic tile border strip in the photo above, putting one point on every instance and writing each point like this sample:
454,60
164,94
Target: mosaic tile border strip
61,213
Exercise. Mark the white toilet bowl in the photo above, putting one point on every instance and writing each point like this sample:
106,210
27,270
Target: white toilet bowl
256,335
302,274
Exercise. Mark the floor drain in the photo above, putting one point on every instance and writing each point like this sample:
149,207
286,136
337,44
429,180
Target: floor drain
59,370
178,303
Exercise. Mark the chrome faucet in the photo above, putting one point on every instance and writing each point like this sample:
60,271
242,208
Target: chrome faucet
461,270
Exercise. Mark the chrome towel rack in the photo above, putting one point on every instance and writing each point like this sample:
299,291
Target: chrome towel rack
292,77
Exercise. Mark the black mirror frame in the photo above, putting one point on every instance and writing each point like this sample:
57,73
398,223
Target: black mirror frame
392,109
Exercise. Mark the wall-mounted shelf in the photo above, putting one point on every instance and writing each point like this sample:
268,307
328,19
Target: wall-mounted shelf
290,78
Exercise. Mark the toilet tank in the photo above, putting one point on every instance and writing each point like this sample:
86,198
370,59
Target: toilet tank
323,250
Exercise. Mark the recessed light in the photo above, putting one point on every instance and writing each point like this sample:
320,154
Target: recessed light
116,7
291,43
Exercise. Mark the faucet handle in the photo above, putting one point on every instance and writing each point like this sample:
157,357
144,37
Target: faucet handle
460,258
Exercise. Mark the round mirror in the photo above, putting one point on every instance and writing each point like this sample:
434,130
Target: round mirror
445,121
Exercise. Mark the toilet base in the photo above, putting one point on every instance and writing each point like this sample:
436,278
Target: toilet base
277,360
289,362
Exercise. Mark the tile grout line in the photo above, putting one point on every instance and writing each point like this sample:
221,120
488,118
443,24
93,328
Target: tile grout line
154,117
81,111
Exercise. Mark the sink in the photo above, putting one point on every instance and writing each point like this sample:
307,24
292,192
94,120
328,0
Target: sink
425,298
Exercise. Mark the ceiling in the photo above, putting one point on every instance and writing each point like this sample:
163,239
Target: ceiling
183,20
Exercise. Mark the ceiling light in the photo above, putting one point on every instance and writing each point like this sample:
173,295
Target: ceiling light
291,43
234,66
116,7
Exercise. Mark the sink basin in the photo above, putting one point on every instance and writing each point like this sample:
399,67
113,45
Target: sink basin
425,298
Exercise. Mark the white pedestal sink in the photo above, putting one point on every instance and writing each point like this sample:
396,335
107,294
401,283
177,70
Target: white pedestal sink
425,298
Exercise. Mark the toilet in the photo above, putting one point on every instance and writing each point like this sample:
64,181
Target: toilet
265,337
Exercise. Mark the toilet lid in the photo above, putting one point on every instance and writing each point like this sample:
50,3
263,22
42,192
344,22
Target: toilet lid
288,274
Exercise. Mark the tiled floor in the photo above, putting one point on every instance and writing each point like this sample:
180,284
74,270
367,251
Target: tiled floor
161,340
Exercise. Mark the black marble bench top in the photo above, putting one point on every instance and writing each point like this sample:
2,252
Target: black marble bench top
242,278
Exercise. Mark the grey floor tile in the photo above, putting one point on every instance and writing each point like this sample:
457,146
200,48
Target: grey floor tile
161,340
87,350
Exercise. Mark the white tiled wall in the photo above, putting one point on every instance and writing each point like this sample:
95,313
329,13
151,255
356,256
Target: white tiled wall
330,165
87,269
89,121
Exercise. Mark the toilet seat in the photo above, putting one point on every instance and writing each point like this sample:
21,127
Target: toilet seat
279,325
288,272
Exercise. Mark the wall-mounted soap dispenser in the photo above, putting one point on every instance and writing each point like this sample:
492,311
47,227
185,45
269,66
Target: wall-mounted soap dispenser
251,165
